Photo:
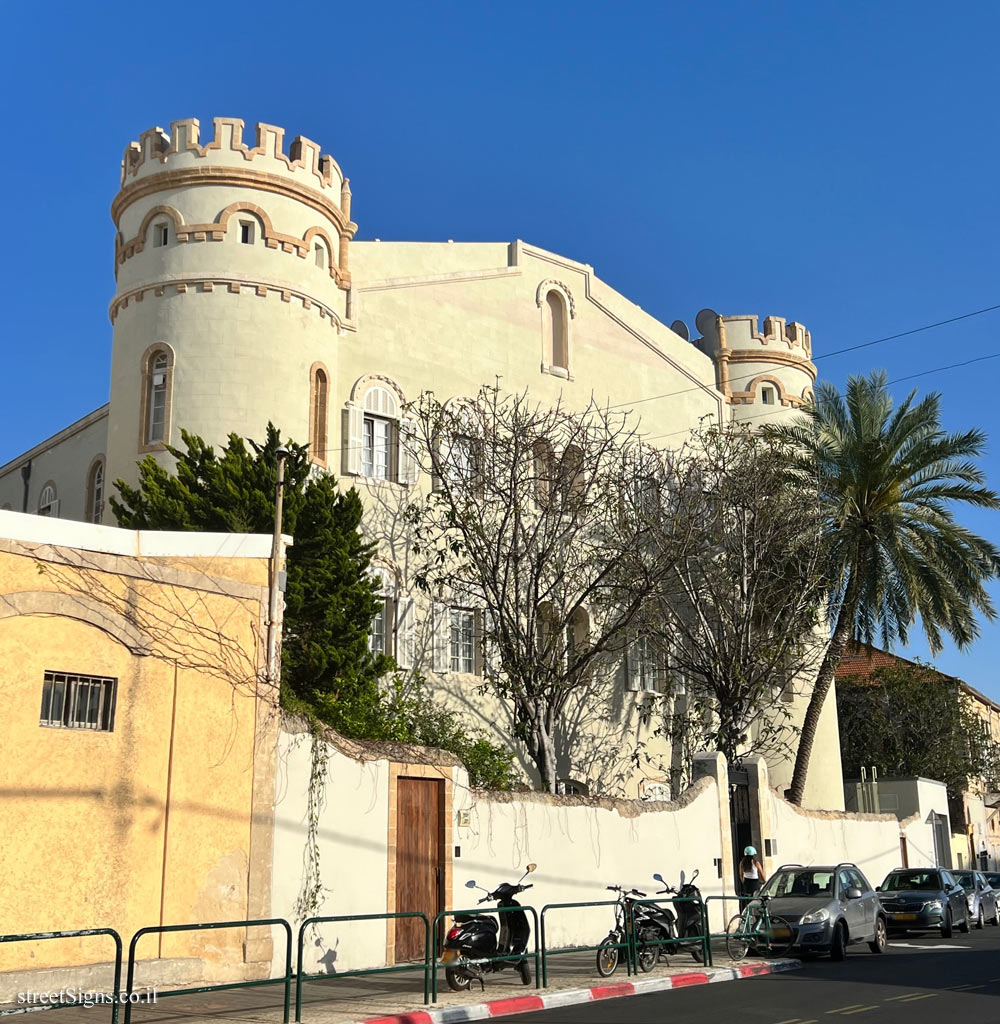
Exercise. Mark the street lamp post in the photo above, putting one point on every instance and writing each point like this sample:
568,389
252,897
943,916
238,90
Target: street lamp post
281,453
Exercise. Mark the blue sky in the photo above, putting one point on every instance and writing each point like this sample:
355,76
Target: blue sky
834,163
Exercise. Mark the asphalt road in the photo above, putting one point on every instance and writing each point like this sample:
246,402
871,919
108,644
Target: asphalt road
917,981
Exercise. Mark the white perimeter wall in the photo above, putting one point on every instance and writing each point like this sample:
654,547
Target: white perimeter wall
828,837
580,849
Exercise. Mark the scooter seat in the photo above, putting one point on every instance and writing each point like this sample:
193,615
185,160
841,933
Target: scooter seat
463,918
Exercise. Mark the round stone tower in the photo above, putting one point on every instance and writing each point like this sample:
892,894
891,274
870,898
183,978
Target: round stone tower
232,287
761,374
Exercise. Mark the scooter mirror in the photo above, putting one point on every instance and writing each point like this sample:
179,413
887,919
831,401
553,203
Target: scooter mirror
471,884
695,875
682,879
658,878
530,868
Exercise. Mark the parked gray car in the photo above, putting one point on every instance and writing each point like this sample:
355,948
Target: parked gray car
924,899
980,896
829,908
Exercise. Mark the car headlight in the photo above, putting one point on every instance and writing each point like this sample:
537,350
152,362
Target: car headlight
817,917
933,905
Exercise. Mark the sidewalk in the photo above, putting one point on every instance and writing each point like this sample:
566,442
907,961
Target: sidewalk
398,998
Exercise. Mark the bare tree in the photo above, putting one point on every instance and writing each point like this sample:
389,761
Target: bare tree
737,614
529,521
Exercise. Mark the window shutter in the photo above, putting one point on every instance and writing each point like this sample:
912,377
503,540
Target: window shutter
487,651
631,667
409,465
441,639
354,428
405,647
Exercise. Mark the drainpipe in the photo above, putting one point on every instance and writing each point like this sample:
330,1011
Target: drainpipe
26,477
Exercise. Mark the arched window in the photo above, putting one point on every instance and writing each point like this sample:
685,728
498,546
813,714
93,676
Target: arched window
95,492
157,381
48,503
379,443
319,404
555,325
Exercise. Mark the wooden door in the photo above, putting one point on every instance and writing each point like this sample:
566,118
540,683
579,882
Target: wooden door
419,860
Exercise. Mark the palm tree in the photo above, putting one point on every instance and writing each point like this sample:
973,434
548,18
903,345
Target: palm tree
888,481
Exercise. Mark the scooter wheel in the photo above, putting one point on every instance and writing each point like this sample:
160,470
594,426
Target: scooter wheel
523,969
458,979
646,957
607,957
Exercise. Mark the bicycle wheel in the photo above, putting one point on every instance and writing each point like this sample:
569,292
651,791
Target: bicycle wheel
607,957
736,943
776,939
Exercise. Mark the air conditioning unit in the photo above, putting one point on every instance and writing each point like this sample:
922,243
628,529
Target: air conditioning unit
159,379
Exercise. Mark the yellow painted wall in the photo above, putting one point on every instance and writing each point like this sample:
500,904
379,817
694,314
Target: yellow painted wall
148,823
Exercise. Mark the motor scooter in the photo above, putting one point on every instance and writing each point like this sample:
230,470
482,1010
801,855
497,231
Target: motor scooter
475,938
688,922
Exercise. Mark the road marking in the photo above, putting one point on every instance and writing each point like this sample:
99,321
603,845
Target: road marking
929,949
956,988
860,1009
905,995
916,996
853,1008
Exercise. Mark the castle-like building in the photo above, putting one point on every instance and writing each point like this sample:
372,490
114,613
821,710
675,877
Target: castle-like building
242,296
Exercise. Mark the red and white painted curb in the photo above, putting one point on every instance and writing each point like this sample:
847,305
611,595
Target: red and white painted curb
574,996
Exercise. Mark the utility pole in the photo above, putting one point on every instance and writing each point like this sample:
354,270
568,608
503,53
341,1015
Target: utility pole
276,583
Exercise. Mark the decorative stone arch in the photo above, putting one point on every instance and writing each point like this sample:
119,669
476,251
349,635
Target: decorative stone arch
749,396
268,234
319,413
146,395
808,395
364,386
157,211
552,285
309,238
95,488
81,608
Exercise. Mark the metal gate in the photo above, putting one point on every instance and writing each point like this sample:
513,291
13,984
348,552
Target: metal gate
739,818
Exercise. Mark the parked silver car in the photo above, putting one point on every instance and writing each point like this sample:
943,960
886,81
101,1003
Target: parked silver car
829,908
981,897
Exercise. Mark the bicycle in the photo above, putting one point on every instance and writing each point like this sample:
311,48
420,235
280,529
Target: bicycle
609,951
755,928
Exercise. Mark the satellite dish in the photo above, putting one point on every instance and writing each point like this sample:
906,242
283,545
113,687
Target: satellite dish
681,328
705,322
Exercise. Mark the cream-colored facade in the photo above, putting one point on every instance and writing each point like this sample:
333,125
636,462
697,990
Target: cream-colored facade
243,297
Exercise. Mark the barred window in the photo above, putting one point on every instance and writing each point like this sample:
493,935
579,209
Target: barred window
71,701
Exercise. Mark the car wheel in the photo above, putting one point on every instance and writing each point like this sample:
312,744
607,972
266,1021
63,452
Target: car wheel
946,925
996,915
980,919
881,939
838,947
966,926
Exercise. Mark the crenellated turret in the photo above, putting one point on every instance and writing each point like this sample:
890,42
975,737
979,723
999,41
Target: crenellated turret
755,369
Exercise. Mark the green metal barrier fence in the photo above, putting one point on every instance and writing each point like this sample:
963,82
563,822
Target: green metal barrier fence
740,901
678,944
82,933
164,928
546,952
425,965
493,959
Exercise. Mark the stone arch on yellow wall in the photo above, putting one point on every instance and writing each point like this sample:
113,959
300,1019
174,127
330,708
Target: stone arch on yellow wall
76,606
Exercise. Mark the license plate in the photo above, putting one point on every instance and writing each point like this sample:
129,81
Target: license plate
903,917
449,956
780,933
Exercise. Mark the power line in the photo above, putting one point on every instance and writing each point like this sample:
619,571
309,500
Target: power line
825,355
896,380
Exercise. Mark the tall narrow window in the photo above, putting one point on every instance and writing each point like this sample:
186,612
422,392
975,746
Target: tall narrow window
161,234
557,338
376,453
320,396
463,640
320,254
95,492
246,232
156,423
767,395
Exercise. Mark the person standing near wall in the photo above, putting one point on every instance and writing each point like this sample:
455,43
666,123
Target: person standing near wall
751,871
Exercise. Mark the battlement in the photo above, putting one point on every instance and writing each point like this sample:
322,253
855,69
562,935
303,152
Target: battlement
157,151
742,332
